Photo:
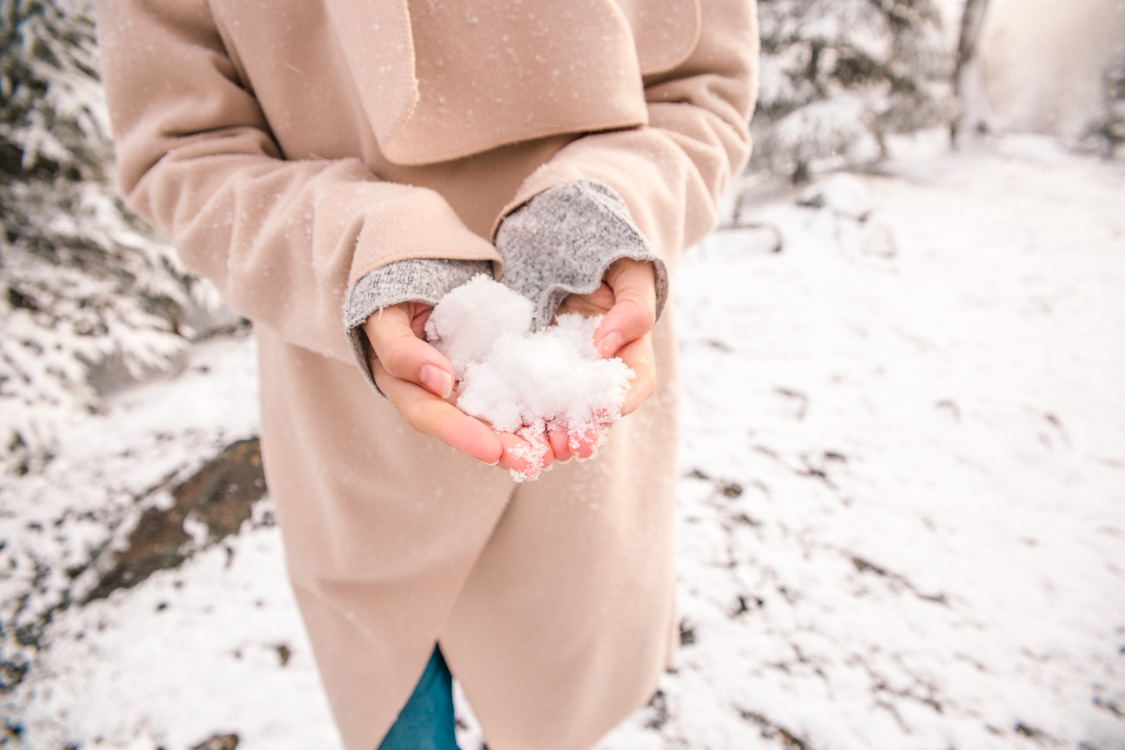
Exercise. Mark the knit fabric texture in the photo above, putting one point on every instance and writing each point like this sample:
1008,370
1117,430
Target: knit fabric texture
422,280
562,241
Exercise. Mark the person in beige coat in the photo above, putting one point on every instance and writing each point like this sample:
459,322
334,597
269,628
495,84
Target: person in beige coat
335,167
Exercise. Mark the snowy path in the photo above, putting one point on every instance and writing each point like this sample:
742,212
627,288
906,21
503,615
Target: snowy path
902,512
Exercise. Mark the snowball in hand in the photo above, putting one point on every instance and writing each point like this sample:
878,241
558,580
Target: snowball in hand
521,381
473,316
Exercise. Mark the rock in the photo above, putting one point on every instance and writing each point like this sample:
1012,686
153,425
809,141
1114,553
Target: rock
218,742
213,503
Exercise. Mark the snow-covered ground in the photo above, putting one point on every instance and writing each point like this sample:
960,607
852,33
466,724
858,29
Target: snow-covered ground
901,512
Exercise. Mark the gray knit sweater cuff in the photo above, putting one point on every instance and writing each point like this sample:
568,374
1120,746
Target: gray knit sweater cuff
423,280
562,241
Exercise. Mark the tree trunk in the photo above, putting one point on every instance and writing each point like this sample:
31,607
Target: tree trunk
967,83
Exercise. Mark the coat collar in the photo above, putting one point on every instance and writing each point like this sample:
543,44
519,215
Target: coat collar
444,80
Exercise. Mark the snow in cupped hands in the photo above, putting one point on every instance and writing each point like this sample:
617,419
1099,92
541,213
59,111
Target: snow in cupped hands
527,382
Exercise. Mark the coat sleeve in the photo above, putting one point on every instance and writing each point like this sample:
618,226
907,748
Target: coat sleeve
281,239
672,171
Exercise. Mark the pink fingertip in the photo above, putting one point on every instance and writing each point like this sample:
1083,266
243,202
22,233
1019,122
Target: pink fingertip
525,456
585,441
436,380
610,343
560,445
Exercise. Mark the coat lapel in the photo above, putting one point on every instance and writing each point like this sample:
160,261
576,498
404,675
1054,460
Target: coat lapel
444,80
377,43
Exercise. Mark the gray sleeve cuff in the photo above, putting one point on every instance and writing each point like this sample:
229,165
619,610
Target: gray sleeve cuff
562,241
423,280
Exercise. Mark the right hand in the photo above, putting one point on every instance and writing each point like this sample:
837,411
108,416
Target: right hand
418,381
627,301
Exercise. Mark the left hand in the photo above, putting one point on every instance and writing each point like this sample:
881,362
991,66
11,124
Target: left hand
627,299
418,381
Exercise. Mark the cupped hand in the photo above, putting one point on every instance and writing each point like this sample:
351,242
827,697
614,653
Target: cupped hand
627,300
418,380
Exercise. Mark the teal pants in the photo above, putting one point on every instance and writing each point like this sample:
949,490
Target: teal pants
426,721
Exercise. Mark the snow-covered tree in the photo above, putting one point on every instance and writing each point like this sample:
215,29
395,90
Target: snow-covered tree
839,76
81,283
968,75
1106,134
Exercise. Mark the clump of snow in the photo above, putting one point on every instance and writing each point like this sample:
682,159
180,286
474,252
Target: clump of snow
472,317
523,381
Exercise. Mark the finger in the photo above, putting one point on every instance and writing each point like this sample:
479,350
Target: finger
525,458
597,302
405,356
585,442
560,444
433,416
641,359
634,310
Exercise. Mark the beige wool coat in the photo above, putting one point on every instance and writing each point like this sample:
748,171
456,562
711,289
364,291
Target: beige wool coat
290,147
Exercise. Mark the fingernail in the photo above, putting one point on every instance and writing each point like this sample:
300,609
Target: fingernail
436,380
610,344
489,463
